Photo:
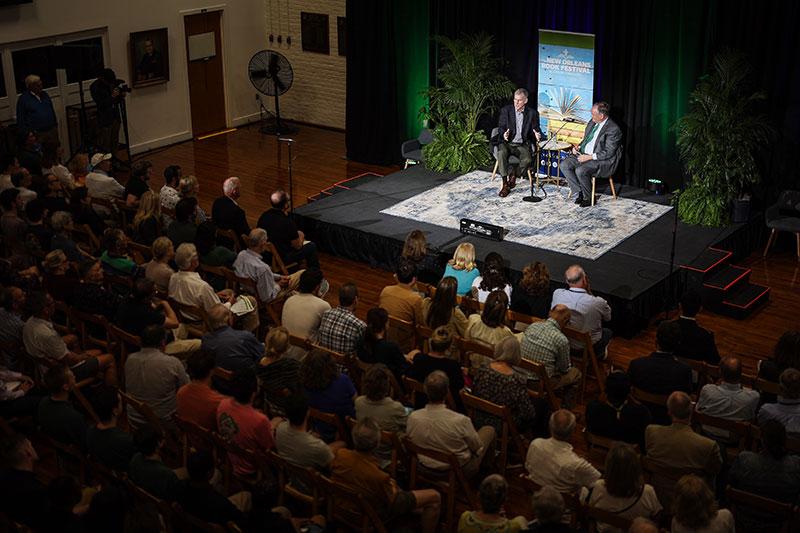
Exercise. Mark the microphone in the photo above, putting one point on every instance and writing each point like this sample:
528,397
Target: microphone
285,140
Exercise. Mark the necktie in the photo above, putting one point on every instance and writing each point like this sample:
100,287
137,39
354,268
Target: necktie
588,138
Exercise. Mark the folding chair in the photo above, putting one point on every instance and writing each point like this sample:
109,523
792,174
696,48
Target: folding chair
292,479
349,508
509,434
546,389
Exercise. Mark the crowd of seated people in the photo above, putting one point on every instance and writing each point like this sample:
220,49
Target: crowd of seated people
206,354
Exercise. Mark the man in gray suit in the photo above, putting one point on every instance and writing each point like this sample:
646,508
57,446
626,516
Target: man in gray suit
597,155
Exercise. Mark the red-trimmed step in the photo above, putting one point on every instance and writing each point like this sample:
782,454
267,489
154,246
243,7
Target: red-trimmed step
744,299
708,260
726,278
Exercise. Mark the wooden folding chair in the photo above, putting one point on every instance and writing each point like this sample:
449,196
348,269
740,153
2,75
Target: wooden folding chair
664,477
545,389
642,396
196,437
293,479
509,433
414,387
597,443
162,506
68,454
769,387
87,326
738,432
584,339
140,253
792,441
125,344
277,264
349,508
212,273
225,236
172,446
784,512
83,235
403,333
452,483
571,501
193,318
467,347
330,419
513,319
390,440
271,310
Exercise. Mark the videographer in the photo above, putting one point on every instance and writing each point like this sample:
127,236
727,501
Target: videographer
108,93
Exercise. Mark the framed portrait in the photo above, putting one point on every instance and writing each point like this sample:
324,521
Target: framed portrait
149,57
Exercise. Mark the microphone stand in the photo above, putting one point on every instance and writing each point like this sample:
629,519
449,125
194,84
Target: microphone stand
533,198
289,143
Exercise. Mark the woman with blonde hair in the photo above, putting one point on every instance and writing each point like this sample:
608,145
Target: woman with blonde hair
695,509
532,296
147,221
415,249
462,267
277,375
158,270
189,187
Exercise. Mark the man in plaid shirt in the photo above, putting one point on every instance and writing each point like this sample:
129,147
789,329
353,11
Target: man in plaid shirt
339,329
543,342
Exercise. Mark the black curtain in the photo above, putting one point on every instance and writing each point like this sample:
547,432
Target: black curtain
372,122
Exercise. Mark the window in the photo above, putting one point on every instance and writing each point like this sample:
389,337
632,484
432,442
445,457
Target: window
88,54
37,61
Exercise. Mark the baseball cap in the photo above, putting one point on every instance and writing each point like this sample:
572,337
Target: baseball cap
99,158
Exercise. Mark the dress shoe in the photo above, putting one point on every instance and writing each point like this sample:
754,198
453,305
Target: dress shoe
579,199
586,203
504,191
512,180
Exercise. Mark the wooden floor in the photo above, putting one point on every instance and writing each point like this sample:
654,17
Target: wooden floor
319,162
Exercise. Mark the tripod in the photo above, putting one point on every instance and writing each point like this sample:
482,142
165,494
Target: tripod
86,145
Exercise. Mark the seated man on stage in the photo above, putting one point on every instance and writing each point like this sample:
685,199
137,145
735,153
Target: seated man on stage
518,125
596,155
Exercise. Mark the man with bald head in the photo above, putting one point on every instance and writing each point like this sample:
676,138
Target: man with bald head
233,349
250,264
543,342
728,399
225,210
290,242
588,311
552,461
678,446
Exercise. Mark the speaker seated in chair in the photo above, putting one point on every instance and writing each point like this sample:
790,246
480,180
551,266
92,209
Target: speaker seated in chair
512,147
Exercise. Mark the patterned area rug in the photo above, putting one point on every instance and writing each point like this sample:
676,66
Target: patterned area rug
555,223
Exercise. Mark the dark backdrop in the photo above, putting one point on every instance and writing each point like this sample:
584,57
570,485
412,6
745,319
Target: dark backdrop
649,55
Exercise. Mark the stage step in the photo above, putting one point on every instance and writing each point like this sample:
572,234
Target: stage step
726,278
707,261
744,299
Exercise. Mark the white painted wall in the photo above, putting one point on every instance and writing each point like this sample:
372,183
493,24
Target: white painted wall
158,115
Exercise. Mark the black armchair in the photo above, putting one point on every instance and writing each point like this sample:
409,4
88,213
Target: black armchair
784,215
412,150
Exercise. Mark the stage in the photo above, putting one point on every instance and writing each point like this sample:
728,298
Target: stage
624,245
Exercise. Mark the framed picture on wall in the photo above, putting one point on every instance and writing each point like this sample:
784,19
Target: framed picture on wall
149,57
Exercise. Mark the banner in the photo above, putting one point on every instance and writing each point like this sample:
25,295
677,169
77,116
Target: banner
566,80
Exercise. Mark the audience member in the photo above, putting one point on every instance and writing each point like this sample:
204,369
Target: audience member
42,342
115,258
189,187
184,227
201,500
158,270
695,342
493,493
105,441
53,196
91,296
13,226
588,311
375,348
138,183
23,498
59,279
79,168
677,446
18,395
82,212
240,423
196,401
493,278
290,242
660,372
29,153
249,264
211,253
376,402
232,349
552,462
22,181
41,235
401,301
617,417
622,491
415,249
442,309
168,195
488,327
278,374
437,359
148,471
771,473
462,267
785,355
643,525
56,416
543,342
498,383
358,469
8,166
694,509
297,444
99,184
728,400
153,377
548,507
12,302
303,311
226,212
532,296
327,389
62,225
146,224
339,328
438,428
787,409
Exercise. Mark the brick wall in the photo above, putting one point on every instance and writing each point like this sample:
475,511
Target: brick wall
317,95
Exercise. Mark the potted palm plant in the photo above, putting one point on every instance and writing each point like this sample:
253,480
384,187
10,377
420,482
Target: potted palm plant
470,87
718,140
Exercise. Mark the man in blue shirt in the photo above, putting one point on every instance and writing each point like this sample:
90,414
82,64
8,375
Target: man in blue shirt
35,111
233,349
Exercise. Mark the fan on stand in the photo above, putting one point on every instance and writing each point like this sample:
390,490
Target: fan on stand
272,75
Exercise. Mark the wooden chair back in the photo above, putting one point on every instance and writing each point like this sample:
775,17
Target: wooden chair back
599,446
643,396
792,441
219,272
389,439
349,508
118,284
402,332
146,412
163,507
194,318
68,454
467,347
509,433
87,326
768,387
290,479
140,253
545,386
225,236
513,318
588,357
83,234
277,264
781,511
571,501
224,374
330,419
739,432
125,344
414,387
196,437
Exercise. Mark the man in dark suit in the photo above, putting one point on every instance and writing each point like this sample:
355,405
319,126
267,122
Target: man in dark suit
660,372
226,213
519,127
695,342
597,155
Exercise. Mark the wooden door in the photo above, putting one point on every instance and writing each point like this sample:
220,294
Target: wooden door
206,83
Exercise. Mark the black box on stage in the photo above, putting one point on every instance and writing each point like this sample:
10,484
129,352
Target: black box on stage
482,229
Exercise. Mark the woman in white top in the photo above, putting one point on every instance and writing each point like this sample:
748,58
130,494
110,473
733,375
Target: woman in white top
623,491
695,510
51,164
493,278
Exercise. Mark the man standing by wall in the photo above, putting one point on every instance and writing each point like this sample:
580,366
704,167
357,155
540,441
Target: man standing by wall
35,111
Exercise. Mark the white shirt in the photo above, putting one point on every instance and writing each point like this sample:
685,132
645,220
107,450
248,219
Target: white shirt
302,314
482,294
589,148
190,289
101,185
588,311
42,341
438,428
552,462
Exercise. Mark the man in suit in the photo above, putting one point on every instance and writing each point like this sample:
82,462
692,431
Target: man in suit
660,372
597,155
695,342
226,212
519,127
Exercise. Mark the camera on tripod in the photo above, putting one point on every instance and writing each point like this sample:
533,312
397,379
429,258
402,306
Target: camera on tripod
122,86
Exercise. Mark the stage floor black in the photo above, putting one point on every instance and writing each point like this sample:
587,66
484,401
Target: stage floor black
634,276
